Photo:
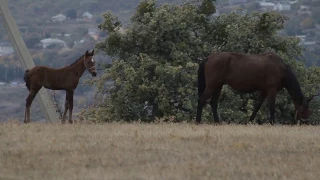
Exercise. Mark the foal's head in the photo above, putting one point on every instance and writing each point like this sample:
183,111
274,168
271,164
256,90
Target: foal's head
89,63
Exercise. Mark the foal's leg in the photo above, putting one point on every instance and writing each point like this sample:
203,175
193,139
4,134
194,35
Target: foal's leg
32,94
262,96
214,103
63,120
70,103
202,101
272,103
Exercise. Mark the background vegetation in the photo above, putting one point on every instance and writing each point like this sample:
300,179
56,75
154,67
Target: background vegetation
156,60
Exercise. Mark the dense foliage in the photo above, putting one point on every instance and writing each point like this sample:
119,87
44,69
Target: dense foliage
155,61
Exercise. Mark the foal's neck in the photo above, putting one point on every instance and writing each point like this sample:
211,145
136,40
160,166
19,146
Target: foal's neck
78,67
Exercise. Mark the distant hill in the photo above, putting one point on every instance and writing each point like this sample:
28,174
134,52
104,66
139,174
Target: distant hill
30,11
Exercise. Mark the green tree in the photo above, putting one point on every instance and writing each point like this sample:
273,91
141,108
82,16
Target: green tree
155,61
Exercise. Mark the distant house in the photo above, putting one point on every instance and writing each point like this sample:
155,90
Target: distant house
6,49
14,84
293,1
59,18
87,15
94,33
301,37
267,6
282,6
231,2
307,43
49,41
304,10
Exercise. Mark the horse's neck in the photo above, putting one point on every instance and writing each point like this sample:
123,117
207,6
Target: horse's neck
78,68
293,87
296,96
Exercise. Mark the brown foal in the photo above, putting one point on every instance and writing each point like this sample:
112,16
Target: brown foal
66,78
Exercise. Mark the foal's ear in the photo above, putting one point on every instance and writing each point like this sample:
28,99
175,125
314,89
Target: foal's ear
87,53
92,52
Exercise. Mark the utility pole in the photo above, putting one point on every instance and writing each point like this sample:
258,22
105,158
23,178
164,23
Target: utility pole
26,60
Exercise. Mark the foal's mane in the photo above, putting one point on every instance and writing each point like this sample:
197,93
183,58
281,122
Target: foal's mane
76,60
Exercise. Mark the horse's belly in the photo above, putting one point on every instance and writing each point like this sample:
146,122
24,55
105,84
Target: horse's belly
243,87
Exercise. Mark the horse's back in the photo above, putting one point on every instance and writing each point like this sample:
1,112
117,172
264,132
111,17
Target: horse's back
47,76
43,70
245,72
250,63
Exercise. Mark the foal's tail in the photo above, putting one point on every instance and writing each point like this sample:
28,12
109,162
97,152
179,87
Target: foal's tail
201,77
27,79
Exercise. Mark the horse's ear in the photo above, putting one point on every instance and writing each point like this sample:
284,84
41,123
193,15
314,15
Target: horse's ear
87,52
92,53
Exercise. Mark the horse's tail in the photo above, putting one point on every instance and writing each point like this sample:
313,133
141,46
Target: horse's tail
27,79
201,77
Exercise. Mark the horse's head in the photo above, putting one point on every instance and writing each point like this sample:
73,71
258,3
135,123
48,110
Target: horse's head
303,112
89,63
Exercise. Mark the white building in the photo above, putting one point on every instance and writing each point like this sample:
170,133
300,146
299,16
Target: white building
6,50
282,6
267,6
87,15
304,10
49,41
59,18
231,2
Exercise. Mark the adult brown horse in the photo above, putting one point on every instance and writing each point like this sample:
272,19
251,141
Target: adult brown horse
66,78
266,73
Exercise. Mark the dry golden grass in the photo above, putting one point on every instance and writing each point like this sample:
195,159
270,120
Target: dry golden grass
158,151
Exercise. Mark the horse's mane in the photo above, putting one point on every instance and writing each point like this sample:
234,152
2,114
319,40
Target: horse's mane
293,86
76,61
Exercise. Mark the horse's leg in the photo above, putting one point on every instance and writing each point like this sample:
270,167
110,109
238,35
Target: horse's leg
202,102
214,103
32,94
63,120
262,96
272,103
70,103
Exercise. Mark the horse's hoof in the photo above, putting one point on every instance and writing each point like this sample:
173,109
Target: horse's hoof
71,121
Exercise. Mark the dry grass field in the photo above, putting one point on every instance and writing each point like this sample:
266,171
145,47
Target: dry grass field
158,151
